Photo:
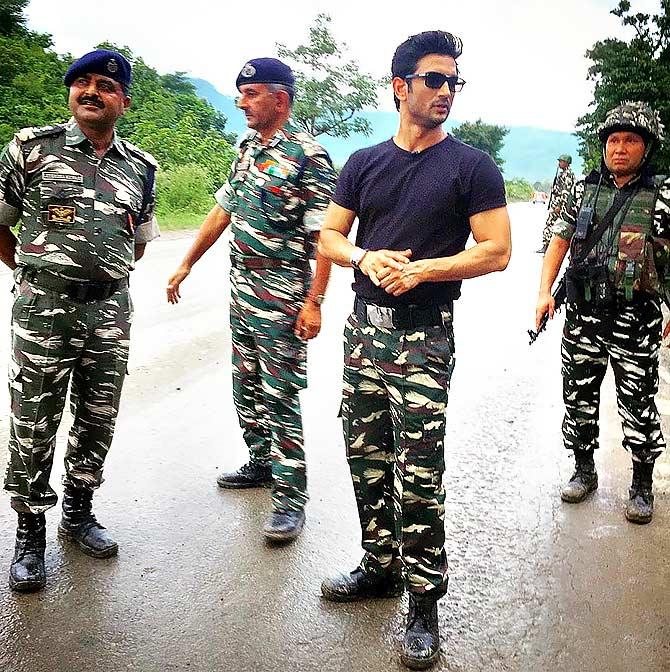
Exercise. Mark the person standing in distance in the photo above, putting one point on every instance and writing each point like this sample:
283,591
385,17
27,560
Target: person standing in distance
409,261
274,202
564,181
84,201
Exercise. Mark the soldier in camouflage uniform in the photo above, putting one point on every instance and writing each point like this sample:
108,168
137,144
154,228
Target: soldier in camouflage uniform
564,182
83,200
613,308
273,202
409,261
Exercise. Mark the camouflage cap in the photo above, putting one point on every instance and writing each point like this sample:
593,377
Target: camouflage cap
565,157
636,116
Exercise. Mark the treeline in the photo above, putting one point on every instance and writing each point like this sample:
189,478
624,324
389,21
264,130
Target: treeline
184,132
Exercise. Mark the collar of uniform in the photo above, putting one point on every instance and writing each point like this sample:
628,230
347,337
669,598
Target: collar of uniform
609,177
75,136
280,134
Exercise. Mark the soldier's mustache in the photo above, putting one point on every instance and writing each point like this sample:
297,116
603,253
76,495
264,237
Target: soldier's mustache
87,100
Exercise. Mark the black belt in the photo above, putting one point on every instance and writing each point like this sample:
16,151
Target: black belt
83,291
257,262
401,317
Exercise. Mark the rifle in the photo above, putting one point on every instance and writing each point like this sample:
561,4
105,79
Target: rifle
551,193
559,295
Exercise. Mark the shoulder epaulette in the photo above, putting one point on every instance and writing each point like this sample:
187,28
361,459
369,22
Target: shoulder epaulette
34,132
140,153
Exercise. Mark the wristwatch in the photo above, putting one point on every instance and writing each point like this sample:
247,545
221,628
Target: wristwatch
357,256
317,299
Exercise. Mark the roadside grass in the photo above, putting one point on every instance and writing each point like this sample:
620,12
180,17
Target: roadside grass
177,221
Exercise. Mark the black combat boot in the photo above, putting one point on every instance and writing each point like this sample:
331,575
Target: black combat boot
26,573
421,646
640,505
79,525
284,525
583,481
362,585
249,475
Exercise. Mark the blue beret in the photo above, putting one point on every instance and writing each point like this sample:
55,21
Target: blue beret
101,62
265,71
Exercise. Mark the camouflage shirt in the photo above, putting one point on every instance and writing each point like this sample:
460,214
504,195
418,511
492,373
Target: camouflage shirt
277,194
560,191
80,215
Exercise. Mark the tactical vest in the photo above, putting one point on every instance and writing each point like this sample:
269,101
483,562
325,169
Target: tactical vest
637,260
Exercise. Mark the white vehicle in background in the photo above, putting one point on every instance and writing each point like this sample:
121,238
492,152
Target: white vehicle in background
540,197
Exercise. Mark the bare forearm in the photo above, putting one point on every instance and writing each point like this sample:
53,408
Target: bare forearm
553,258
485,257
335,247
321,275
7,247
214,225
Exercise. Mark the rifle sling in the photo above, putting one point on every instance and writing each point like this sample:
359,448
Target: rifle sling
597,233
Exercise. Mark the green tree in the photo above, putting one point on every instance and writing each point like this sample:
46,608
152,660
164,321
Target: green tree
331,90
518,189
487,137
31,84
12,19
638,69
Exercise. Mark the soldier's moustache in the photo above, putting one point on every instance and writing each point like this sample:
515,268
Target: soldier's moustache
86,100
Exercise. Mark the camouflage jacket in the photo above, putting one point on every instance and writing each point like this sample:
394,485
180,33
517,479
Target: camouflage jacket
560,192
80,215
637,239
277,194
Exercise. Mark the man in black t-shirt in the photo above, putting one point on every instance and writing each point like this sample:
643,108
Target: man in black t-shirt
417,197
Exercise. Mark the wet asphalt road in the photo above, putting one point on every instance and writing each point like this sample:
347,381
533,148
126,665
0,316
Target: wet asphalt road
535,585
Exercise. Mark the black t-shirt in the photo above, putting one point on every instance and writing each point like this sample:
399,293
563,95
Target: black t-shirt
421,201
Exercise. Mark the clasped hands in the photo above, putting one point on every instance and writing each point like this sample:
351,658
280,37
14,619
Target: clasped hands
392,270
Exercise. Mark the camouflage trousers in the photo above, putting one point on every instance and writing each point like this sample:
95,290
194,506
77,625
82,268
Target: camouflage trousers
627,335
269,370
56,341
395,392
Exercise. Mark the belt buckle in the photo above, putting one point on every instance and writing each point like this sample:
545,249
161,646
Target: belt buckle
379,316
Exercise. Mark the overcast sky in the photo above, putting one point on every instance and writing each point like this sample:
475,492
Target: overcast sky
523,60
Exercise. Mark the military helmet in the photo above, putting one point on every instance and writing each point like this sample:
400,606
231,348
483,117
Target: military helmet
633,116
565,157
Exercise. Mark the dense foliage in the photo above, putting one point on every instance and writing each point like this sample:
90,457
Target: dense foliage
331,90
518,189
487,137
635,70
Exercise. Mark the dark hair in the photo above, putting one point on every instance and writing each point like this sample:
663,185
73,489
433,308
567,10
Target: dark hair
414,48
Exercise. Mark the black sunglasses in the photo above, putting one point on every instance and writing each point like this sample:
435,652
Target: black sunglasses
436,80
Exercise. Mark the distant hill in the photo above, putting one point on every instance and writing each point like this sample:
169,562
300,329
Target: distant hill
528,151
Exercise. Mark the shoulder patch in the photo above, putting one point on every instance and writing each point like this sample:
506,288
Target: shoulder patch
140,153
27,134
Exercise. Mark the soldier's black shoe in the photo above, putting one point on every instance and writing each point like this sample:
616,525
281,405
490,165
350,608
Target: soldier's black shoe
640,505
26,573
361,585
249,475
421,646
80,526
583,481
284,525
